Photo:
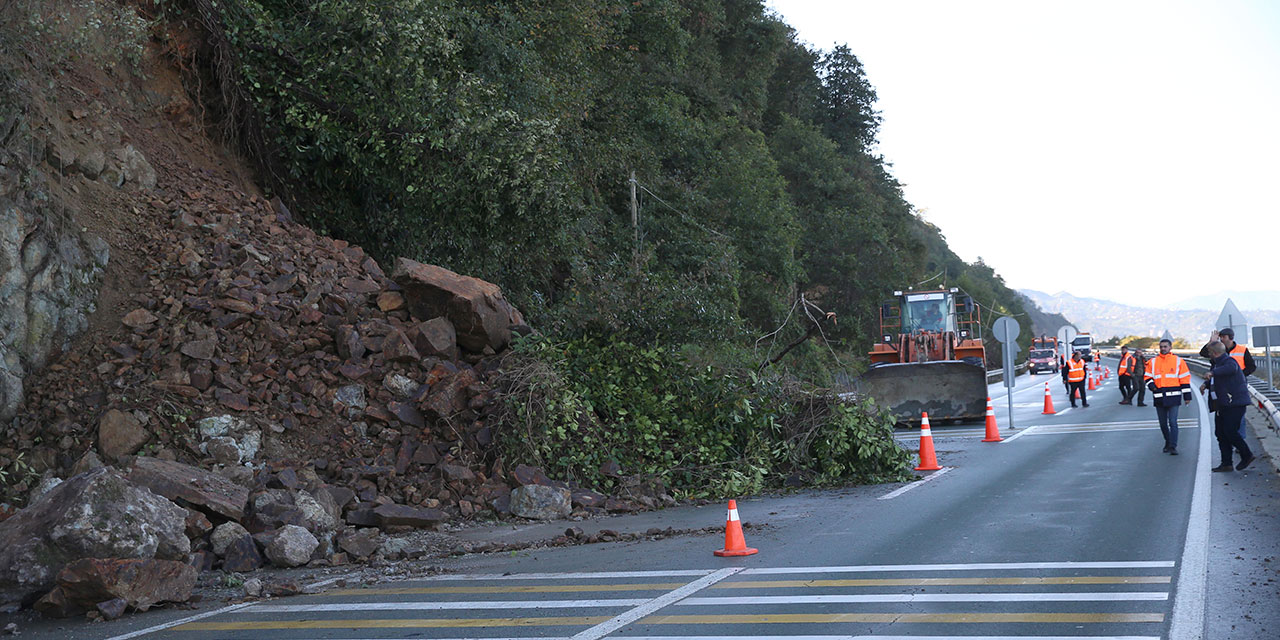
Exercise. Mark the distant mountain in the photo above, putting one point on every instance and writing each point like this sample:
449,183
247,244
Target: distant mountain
1104,318
1245,300
1042,323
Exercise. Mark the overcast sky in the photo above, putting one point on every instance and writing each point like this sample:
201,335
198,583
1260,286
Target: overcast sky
1057,139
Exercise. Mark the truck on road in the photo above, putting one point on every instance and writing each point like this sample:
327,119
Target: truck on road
1083,344
1043,356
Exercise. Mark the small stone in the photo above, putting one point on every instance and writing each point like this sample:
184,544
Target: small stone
138,318
253,587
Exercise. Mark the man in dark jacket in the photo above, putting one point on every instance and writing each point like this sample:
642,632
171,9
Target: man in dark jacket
1232,399
1139,368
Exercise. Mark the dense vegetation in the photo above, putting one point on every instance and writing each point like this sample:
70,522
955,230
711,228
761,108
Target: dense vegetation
499,139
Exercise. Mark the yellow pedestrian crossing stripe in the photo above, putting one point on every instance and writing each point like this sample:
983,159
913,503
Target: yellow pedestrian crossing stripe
955,594
757,584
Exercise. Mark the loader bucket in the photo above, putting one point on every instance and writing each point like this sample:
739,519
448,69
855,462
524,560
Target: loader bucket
947,389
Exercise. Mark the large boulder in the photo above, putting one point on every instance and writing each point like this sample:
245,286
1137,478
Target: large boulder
541,502
477,310
139,583
291,546
208,492
98,514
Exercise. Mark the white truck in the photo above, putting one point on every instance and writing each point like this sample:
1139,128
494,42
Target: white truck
1083,344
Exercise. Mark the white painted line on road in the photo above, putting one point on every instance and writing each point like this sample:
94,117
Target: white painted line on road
439,606
564,576
901,490
982,566
1019,434
617,622
745,637
1188,618
688,637
207,614
174,623
1103,596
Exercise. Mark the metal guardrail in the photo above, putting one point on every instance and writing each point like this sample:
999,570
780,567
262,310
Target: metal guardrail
1262,393
997,375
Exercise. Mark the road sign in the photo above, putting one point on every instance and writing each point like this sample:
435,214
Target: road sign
1231,317
1065,336
1006,330
1267,336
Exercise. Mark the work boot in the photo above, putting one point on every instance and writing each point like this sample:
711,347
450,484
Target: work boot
1142,404
1244,463
1173,451
1165,449
1086,405
1226,466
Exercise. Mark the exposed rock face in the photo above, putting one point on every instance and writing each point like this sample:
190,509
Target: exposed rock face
539,502
98,514
49,272
477,310
136,583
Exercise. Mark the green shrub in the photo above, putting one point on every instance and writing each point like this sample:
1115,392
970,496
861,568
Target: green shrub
574,406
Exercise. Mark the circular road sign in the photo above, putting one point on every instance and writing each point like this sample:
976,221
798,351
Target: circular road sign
1006,330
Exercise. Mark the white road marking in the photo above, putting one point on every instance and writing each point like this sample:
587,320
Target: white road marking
174,623
1116,596
741,637
981,566
564,576
617,622
901,490
1188,604
864,598
1019,434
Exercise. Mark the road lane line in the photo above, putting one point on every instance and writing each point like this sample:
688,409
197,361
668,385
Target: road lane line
901,490
391,623
538,588
605,628
746,637
1188,604
942,582
980,566
177,623
1019,434
867,598
445,606
908,618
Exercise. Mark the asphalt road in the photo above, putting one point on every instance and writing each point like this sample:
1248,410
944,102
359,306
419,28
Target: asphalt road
1075,525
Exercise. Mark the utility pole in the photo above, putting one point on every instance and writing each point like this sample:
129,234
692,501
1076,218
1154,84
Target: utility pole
635,216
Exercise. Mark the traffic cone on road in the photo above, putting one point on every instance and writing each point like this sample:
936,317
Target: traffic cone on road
993,430
1048,402
1091,386
734,543
1106,373
928,459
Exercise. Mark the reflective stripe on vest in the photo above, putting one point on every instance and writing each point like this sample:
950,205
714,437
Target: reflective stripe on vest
1126,364
1075,370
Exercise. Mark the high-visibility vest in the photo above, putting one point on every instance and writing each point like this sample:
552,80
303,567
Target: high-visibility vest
1075,370
1237,354
1126,364
1170,374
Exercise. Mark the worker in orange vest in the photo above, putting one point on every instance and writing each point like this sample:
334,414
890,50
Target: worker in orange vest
1073,374
1127,362
1169,380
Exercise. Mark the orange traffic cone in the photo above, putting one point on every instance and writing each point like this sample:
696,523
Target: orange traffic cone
1091,386
1048,402
928,460
993,430
1106,373
734,543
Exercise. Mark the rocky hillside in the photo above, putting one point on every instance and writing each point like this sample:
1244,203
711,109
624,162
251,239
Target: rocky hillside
1104,318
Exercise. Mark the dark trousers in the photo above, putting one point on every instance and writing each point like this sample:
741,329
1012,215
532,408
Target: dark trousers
1226,426
1168,417
1126,387
1072,388
1142,390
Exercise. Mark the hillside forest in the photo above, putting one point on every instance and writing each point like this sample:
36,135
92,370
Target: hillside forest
683,198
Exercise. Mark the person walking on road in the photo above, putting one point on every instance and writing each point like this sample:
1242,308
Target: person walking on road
1073,376
1240,354
1139,369
1168,377
1125,370
1232,394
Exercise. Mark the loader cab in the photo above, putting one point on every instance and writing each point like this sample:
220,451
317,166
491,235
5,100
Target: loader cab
934,311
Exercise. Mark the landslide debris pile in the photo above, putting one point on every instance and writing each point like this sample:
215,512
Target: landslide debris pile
295,399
